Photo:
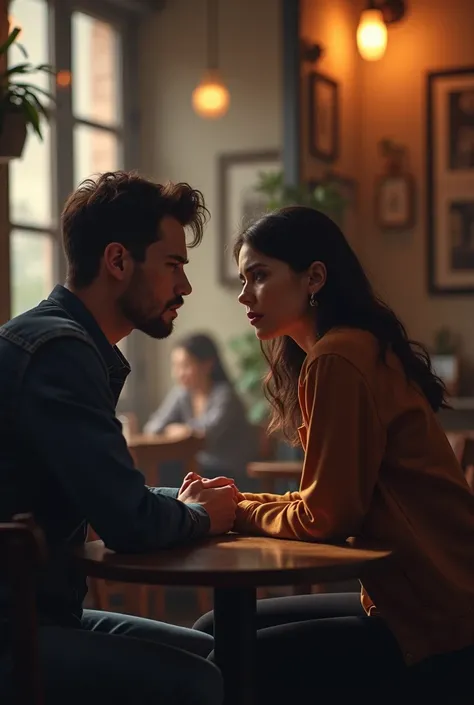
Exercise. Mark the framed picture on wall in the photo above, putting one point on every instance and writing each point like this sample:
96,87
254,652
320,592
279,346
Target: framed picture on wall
239,202
450,181
323,102
394,201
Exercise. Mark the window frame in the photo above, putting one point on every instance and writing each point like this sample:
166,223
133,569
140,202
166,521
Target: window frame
127,23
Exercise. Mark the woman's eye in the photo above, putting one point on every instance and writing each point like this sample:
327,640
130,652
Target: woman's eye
259,276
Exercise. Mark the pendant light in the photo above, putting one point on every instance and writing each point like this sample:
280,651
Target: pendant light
211,98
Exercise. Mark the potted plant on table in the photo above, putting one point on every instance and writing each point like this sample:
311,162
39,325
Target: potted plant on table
445,359
21,103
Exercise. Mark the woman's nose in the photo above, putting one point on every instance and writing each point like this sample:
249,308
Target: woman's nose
245,297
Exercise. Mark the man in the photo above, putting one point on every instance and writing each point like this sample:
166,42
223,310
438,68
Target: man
63,456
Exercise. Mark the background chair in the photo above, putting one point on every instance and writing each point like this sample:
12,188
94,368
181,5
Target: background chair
22,548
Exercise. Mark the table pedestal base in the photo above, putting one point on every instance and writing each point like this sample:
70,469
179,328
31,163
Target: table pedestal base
235,642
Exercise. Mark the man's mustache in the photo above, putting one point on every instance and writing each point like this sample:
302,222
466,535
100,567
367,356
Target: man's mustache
179,301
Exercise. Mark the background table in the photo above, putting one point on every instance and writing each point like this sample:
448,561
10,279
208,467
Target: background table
269,472
234,566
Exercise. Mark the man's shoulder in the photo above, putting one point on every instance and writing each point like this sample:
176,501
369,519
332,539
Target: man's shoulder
42,324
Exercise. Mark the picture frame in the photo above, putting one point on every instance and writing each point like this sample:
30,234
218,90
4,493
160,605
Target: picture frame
323,123
450,181
395,201
238,201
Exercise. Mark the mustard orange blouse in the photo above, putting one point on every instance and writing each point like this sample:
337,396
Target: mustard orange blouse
378,467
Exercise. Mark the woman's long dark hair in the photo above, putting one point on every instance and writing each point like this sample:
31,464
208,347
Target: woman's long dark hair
300,236
204,349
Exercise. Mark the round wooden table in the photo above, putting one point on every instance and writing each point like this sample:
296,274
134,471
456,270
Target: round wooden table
234,566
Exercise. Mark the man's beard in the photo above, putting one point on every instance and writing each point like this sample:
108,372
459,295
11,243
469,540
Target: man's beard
154,326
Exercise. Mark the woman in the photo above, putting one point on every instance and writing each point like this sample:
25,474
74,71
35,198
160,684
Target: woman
345,381
204,400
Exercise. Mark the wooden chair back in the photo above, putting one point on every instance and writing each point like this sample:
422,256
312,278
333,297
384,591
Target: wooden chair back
22,548
149,452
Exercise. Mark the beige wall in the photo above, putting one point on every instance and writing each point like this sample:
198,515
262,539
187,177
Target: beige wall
331,23
387,99
178,145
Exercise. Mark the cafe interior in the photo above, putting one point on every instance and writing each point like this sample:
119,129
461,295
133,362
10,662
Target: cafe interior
364,110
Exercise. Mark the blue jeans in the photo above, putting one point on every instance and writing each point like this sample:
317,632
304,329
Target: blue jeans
127,660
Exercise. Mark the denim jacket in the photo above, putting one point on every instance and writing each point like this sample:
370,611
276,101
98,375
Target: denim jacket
63,456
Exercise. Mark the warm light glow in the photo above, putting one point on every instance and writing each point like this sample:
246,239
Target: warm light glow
371,35
211,99
63,79
13,24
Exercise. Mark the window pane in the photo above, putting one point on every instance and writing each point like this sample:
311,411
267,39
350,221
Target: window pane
30,182
95,70
32,17
32,269
94,151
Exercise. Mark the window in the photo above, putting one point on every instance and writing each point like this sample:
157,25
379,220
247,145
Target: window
89,42
30,178
96,103
93,43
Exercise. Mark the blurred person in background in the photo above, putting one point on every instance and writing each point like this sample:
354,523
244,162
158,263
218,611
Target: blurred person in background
204,401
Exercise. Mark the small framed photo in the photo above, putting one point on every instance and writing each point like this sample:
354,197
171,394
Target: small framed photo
323,101
395,201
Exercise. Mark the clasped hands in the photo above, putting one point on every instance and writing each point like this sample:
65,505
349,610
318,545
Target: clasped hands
219,496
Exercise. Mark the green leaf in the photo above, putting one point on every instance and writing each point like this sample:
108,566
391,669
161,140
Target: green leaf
9,41
258,412
37,104
35,89
32,117
22,49
19,68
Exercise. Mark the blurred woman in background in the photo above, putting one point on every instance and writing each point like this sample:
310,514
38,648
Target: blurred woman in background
204,400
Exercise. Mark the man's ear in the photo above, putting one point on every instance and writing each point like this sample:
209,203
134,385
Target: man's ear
116,259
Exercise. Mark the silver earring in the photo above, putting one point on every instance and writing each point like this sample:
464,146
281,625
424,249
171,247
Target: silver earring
313,300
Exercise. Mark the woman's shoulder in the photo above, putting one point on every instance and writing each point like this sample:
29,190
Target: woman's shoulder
349,347
353,344
222,391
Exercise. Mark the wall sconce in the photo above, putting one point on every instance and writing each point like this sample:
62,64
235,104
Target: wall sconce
372,29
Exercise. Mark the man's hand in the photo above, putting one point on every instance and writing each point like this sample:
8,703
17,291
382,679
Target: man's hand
209,483
217,499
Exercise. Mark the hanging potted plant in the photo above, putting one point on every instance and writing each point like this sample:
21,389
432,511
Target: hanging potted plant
21,103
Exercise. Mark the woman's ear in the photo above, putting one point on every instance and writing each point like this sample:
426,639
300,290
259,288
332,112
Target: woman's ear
317,277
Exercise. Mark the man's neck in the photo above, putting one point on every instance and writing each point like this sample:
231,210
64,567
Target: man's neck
103,310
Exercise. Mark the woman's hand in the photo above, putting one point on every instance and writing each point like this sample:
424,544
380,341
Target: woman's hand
220,481
177,431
